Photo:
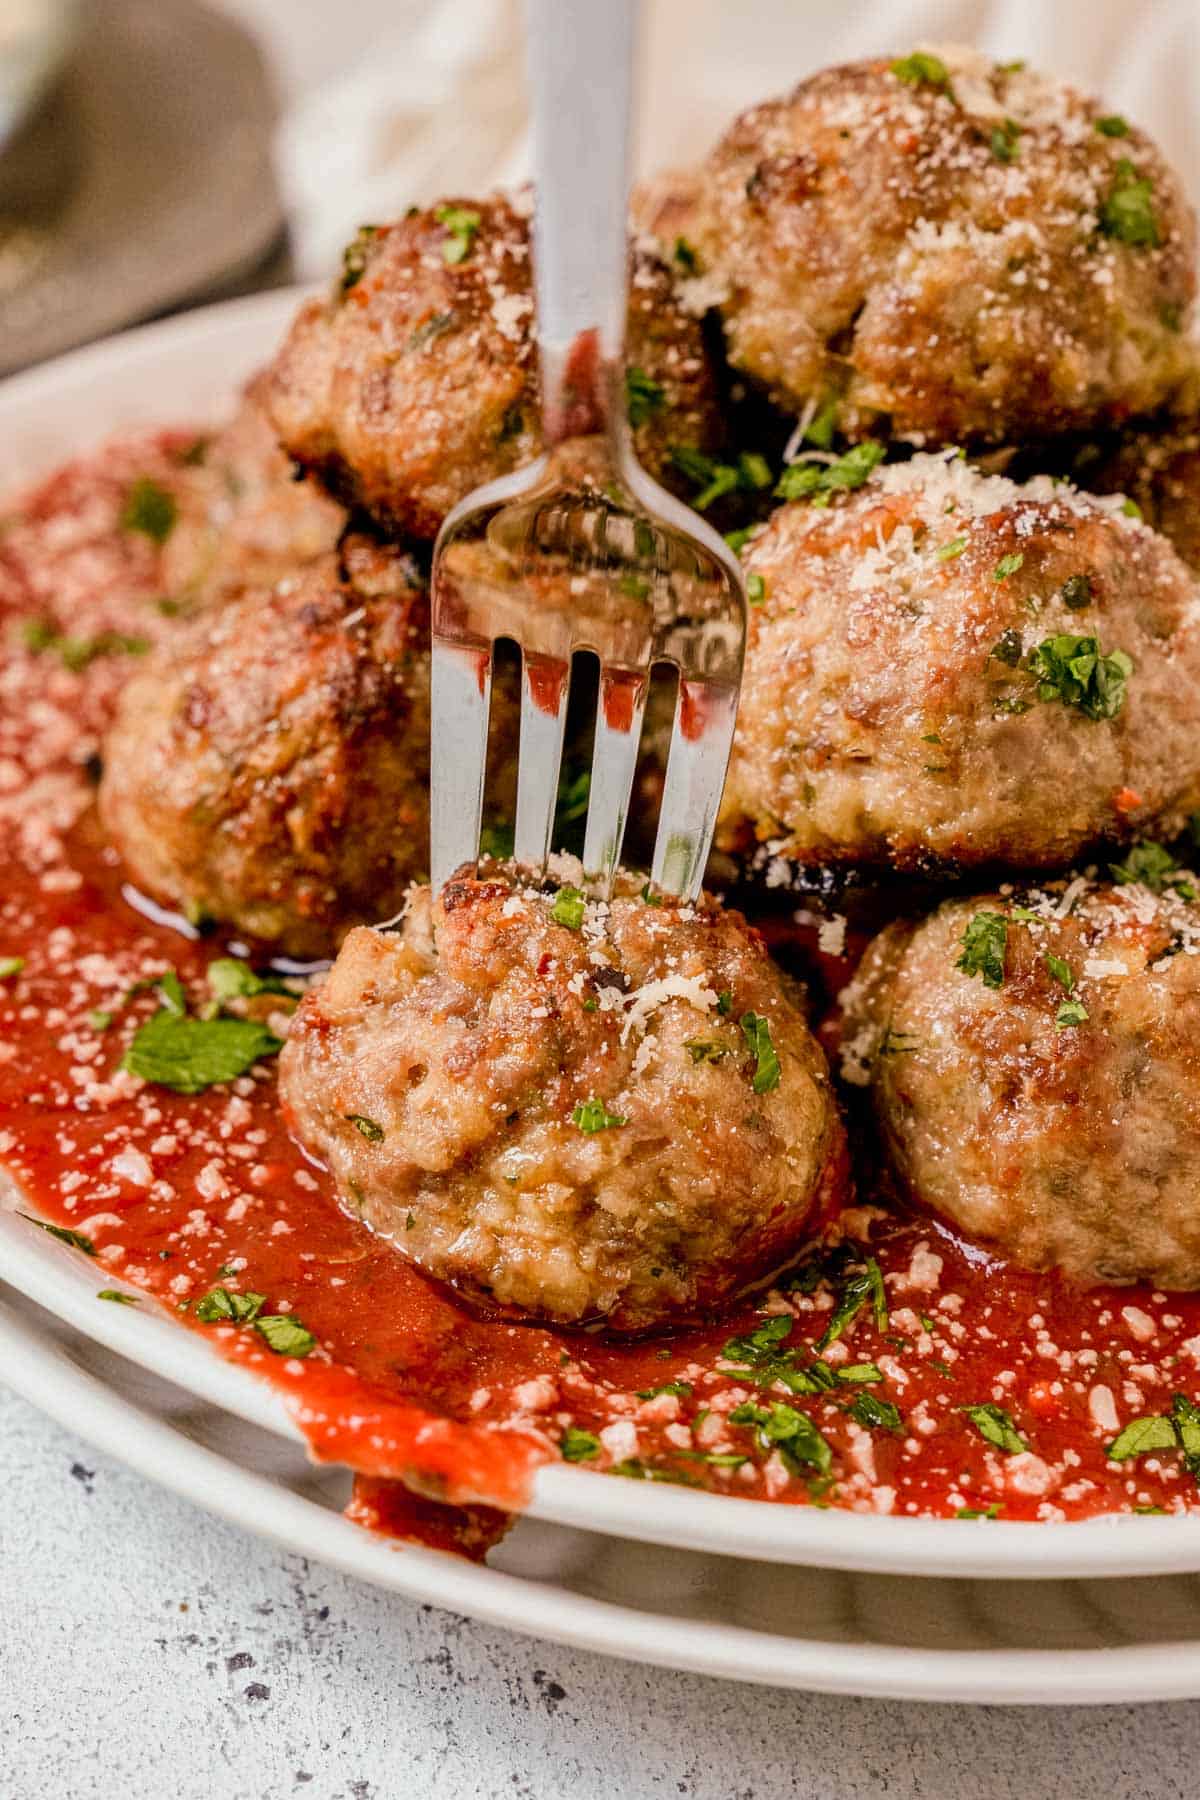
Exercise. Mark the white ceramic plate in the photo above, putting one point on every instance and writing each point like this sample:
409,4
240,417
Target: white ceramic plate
890,1636
182,371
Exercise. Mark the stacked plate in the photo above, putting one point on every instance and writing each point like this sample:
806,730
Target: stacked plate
798,1597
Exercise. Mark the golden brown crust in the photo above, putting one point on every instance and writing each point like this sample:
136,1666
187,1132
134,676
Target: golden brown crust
269,768
1074,1146
419,382
438,1073
888,712
947,256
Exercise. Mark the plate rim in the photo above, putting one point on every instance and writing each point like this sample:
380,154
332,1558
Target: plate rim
83,1404
236,335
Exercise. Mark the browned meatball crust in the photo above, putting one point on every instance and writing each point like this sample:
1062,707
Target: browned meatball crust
269,768
910,694
969,250
246,521
1048,1104
417,380
558,1108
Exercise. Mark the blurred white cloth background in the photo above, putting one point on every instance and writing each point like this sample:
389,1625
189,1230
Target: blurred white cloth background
391,104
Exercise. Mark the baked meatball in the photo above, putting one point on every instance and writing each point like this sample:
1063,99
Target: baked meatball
580,1112
1035,1061
1160,472
247,521
969,250
417,380
269,768
947,669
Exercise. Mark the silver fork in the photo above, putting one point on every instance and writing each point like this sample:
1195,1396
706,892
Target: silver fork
582,550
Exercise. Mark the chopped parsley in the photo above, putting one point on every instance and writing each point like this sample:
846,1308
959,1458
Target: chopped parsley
1152,866
995,1426
149,509
229,978
782,1427
1071,1012
702,1050
578,1446
857,1289
1127,211
725,997
922,69
592,1115
1008,565
983,945
354,257
684,257
222,1305
1060,970
1076,671
75,1239
643,397
365,1127
10,966
815,480
756,589
117,1297
757,1033
285,1335
1177,1430
462,224
874,1414
1112,125
1076,593
189,1055
750,474
1003,141
679,1388
78,653
568,908
1008,648
947,552
979,1512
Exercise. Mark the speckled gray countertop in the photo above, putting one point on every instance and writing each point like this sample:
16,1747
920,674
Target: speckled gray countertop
147,1649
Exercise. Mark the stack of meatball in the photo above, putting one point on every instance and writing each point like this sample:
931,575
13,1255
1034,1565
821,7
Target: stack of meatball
916,277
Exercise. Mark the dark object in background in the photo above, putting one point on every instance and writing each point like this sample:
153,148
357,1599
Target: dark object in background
141,182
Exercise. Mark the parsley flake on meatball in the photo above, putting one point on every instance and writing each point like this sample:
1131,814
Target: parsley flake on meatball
946,669
966,249
577,1110
1034,1060
417,380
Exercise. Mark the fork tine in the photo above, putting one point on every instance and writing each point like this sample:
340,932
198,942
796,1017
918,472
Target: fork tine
619,710
696,763
545,681
460,700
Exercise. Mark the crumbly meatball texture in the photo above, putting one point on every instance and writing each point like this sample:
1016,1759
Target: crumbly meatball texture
247,522
417,380
1055,1116
269,768
947,669
562,1116
968,250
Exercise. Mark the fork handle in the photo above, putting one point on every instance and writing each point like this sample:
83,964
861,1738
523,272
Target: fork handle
580,56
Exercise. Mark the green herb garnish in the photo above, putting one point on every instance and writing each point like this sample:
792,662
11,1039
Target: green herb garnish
983,946
1127,211
365,1127
1003,140
922,69
1112,126
1071,1012
462,224
783,1428
1076,671
10,966
117,1297
1008,565
1152,866
229,978
714,479
947,552
75,1239
680,1389
756,589
856,1290
150,509
354,257
874,1414
222,1305
189,1055
702,1050
568,908
808,479
578,1446
285,1335
643,397
995,1426
757,1033
592,1115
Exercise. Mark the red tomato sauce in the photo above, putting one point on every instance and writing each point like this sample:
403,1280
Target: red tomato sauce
180,1194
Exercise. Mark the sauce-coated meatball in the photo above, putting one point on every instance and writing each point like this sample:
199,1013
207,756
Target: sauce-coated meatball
417,381
1160,472
269,768
610,1112
967,249
948,669
1035,1063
